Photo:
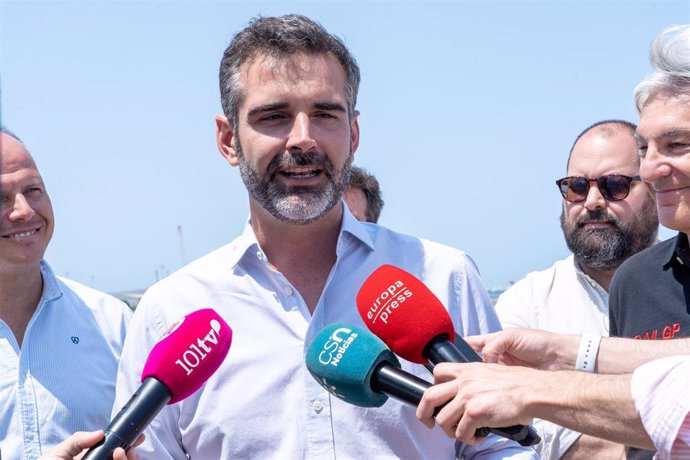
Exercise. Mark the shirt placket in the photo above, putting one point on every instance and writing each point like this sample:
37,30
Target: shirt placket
16,363
28,408
317,403
320,436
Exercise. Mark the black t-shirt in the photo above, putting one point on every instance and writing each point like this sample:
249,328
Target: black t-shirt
649,298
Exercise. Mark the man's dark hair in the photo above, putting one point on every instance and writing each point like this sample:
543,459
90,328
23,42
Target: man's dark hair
361,179
279,38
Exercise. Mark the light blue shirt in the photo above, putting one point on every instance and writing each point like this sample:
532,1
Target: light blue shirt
262,403
63,378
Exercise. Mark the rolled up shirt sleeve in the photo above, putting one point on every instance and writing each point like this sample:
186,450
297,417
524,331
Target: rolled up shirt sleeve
661,392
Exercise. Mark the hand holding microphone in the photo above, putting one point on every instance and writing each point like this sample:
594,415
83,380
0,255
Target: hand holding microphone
72,447
178,365
409,318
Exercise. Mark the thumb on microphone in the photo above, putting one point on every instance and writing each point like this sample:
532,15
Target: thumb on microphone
74,447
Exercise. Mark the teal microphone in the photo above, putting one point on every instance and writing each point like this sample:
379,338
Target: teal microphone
356,366
344,359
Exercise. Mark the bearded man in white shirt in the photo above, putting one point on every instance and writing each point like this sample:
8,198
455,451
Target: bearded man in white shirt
289,91
608,215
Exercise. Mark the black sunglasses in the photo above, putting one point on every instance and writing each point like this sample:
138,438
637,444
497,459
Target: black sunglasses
614,187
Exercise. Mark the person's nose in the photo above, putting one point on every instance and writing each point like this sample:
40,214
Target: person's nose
654,165
594,200
301,136
21,209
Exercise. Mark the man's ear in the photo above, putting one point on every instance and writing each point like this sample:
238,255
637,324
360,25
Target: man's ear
354,132
225,140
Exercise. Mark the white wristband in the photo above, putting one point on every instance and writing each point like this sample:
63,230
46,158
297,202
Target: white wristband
587,354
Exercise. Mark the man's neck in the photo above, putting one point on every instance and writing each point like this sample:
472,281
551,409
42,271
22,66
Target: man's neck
602,277
304,254
20,292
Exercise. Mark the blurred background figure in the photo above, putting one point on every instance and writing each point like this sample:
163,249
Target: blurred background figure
363,196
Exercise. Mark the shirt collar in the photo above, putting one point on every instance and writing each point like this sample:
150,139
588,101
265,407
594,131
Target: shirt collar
358,231
51,287
350,230
678,251
584,275
243,244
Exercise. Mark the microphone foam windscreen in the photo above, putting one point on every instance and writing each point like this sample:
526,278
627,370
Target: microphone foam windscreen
343,358
403,312
189,352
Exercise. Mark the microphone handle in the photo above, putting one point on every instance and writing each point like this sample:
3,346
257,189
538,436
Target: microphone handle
405,387
132,419
463,351
442,350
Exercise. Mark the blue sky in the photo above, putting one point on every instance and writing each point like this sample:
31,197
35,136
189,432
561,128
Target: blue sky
468,110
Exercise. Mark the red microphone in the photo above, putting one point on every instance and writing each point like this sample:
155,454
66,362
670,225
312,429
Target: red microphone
187,354
407,316
411,320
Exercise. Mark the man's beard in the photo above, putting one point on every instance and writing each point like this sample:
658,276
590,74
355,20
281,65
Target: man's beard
298,205
604,249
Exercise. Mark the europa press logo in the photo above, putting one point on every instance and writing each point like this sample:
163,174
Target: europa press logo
387,301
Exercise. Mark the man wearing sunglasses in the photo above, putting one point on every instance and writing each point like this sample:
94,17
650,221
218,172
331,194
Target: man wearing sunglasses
608,215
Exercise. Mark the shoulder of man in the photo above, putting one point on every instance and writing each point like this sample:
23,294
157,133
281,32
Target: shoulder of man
537,282
93,298
383,235
633,267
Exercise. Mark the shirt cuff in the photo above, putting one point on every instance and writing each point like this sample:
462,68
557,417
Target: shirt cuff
661,393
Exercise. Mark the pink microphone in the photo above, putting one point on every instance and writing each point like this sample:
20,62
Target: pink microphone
187,354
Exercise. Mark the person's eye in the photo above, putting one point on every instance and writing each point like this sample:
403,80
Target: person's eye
272,117
677,146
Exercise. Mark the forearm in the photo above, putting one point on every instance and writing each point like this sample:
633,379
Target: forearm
588,446
616,355
623,356
598,405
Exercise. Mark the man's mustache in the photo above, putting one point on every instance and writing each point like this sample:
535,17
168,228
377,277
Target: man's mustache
596,216
288,160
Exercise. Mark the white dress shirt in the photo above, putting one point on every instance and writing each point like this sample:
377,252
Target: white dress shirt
62,379
263,403
561,299
661,391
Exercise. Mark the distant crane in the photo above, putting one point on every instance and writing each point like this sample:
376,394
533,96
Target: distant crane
181,241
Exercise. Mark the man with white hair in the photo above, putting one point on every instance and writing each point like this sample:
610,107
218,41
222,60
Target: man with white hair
649,294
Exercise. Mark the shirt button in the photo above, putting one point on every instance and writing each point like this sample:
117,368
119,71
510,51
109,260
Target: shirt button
287,290
259,255
317,407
